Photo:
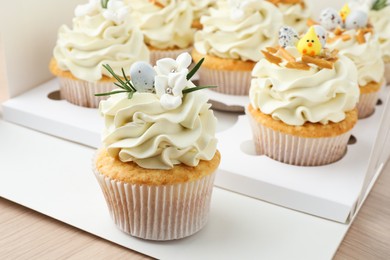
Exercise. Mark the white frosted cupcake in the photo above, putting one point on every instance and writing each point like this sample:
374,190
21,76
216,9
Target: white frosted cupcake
295,13
380,18
231,39
159,158
166,25
302,103
360,44
99,35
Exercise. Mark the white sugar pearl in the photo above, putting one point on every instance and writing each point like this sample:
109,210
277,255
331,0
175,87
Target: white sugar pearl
142,76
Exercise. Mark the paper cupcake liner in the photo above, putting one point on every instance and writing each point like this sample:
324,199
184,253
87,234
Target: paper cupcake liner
387,73
296,150
366,104
82,93
228,82
156,54
164,212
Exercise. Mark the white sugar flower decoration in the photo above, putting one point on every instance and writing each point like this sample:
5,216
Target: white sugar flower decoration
87,9
171,79
116,11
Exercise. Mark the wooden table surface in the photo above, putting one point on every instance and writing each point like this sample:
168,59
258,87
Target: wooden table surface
26,234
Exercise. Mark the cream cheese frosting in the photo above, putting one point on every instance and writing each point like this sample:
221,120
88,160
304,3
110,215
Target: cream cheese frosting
239,30
95,40
381,22
141,130
297,96
167,26
201,7
367,56
295,15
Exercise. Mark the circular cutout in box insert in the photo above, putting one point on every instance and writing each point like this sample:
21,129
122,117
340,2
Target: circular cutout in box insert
55,95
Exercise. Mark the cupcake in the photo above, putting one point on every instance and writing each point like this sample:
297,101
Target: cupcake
166,26
200,8
295,13
355,39
158,161
380,18
101,34
231,39
302,103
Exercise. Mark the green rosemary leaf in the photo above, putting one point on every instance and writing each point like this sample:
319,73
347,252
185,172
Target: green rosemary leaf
128,83
119,85
111,93
104,3
195,69
130,95
111,71
379,5
189,90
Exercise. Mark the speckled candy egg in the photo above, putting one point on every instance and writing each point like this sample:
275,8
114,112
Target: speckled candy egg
321,34
330,19
142,76
287,36
356,19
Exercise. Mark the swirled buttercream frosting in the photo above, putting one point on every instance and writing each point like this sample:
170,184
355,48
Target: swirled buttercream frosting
142,131
295,15
95,40
296,96
239,30
366,56
165,24
381,22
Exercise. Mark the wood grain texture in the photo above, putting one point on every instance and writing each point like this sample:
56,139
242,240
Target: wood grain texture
26,234
369,235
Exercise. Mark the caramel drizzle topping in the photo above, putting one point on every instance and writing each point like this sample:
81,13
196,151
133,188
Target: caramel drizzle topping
324,61
339,34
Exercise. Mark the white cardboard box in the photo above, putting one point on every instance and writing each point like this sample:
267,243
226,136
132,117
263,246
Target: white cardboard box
332,191
25,50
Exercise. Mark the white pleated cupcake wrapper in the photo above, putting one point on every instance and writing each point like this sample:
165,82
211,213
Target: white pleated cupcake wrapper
366,104
298,150
164,212
82,93
227,82
387,73
155,55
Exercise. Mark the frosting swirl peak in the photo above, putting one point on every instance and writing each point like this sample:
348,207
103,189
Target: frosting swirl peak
143,131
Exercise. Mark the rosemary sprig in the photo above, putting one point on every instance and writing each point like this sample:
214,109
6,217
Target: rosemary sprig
127,86
195,69
104,3
379,5
189,90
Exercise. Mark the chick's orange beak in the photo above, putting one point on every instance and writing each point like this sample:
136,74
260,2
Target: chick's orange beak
310,44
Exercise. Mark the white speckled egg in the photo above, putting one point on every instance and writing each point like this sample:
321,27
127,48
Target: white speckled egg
330,19
287,36
321,34
142,76
356,19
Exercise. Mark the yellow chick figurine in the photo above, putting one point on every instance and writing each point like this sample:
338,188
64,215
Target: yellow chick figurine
310,44
344,12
